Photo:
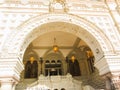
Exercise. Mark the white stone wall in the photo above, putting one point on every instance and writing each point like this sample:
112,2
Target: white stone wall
14,14
99,20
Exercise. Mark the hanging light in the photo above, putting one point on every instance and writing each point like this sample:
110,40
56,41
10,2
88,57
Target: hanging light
55,47
32,59
89,54
73,58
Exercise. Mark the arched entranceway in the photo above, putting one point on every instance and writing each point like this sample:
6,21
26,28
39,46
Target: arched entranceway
39,25
35,27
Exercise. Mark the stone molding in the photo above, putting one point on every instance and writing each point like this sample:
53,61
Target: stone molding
28,31
10,69
108,63
71,5
30,7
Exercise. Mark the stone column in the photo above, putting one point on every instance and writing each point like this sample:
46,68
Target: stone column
108,83
14,85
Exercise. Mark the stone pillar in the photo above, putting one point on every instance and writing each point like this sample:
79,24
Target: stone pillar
10,69
14,85
108,83
110,64
112,81
7,85
116,80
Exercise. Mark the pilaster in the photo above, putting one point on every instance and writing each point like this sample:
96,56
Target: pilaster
109,68
8,84
10,69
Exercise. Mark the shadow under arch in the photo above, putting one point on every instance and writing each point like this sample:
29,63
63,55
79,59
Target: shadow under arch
30,30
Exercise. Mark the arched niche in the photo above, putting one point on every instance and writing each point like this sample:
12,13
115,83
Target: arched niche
53,63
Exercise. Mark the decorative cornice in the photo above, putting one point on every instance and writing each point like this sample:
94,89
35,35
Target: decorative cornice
39,6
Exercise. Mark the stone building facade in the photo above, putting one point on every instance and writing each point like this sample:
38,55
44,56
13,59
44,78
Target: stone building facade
97,22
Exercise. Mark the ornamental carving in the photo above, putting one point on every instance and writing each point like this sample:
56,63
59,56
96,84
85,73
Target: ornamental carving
58,6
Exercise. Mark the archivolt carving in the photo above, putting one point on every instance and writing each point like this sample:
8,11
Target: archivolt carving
30,30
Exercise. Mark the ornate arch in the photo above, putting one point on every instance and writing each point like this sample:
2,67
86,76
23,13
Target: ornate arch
29,30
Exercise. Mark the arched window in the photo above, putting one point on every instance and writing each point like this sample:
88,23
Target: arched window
90,60
62,88
58,64
31,68
59,61
53,68
47,61
53,62
74,67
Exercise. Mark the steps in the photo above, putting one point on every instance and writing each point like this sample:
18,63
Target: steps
93,80
22,85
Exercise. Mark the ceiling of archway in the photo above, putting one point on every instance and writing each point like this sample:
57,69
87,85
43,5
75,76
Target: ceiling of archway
66,41
63,40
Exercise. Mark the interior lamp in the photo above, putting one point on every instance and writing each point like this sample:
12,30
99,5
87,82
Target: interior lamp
55,47
73,58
